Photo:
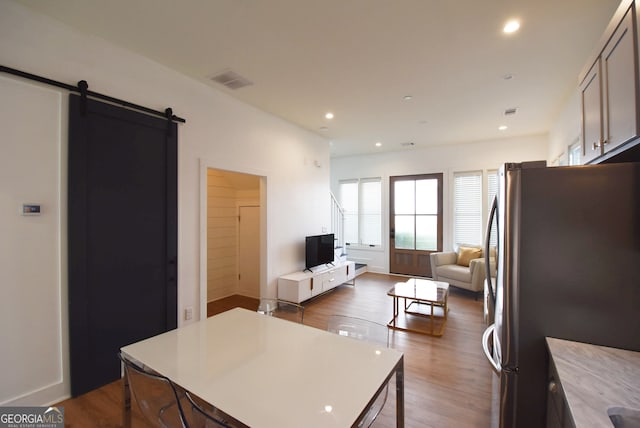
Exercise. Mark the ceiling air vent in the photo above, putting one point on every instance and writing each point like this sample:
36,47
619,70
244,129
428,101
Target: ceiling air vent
510,111
231,80
408,144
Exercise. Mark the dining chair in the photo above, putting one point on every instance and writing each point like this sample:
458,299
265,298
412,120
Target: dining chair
156,396
201,415
282,309
362,329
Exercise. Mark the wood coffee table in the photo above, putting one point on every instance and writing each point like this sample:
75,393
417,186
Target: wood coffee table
428,299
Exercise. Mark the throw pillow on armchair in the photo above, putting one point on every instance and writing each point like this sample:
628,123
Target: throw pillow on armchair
466,254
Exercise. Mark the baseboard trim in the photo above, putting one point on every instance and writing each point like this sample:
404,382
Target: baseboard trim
44,396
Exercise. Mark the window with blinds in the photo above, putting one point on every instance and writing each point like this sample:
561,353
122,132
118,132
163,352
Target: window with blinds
361,200
467,208
470,215
492,189
575,152
349,203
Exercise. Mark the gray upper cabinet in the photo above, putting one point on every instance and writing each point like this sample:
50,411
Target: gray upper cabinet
609,92
592,130
621,85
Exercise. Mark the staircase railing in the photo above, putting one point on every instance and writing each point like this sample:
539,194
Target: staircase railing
337,222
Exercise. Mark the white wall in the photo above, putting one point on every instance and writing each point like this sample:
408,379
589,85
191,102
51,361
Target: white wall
31,292
566,130
446,159
220,133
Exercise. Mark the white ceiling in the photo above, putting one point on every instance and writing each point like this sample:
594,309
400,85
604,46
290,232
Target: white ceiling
359,58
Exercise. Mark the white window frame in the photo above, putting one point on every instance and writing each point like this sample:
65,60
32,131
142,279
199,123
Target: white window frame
360,214
575,153
485,200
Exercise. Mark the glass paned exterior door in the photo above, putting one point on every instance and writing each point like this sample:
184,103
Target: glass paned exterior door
415,222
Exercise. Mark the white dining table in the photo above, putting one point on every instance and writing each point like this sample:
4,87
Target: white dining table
267,372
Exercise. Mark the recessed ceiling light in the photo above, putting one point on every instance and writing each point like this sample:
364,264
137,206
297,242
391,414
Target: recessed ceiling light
502,128
511,26
378,144
407,97
329,115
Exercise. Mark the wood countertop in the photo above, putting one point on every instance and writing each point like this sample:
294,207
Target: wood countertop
595,378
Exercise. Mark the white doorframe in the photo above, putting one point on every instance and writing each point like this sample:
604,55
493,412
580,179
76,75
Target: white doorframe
205,164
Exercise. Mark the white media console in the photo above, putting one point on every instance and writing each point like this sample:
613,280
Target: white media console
302,285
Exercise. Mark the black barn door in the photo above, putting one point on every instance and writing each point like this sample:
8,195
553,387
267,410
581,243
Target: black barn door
122,235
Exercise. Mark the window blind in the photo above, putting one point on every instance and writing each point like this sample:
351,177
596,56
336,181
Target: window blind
371,211
349,203
467,208
361,200
492,189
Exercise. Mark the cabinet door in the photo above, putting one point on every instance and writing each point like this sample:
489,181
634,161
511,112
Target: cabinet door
558,413
316,284
350,271
340,274
555,406
620,85
329,280
294,289
591,114
304,290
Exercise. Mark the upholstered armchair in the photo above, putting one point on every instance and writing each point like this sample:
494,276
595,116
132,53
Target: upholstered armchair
464,268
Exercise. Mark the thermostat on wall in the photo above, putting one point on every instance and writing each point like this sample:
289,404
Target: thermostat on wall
31,209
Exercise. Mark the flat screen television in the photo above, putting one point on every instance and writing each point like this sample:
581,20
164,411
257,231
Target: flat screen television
319,250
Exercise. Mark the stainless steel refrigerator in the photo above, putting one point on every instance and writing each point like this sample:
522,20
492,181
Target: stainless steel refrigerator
568,244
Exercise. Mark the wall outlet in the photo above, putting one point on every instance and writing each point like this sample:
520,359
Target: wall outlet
188,313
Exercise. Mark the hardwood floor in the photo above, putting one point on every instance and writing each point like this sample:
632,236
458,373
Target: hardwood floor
448,382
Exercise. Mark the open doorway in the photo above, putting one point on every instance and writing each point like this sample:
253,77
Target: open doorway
233,238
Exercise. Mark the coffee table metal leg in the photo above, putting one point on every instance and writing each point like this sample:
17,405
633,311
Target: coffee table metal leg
431,318
395,310
446,306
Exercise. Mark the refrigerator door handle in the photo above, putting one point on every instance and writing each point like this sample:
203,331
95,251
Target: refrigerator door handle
487,351
487,259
